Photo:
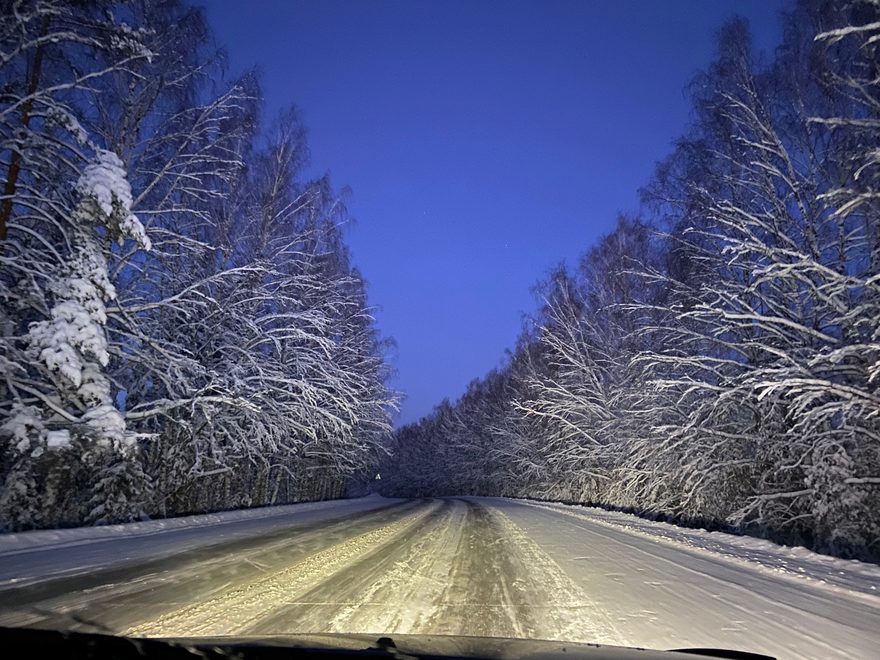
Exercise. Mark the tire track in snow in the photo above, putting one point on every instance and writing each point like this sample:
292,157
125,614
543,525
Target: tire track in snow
381,590
102,601
480,596
558,608
403,600
238,609
464,570
449,575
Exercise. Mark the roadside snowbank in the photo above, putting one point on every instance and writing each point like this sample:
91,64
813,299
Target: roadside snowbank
53,538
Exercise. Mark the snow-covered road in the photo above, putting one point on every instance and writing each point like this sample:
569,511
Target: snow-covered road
467,566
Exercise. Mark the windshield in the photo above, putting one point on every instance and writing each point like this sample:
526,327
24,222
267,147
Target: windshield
598,362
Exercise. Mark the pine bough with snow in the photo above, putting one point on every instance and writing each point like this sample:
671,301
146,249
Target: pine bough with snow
716,360
180,329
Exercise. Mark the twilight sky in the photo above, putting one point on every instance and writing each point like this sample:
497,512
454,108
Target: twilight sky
484,142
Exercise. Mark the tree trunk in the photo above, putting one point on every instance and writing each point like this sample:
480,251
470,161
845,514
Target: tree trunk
26,108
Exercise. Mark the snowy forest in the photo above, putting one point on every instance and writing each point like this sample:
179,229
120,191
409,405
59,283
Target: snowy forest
715,359
181,328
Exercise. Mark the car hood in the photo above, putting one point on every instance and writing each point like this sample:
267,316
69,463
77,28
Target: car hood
55,643
455,646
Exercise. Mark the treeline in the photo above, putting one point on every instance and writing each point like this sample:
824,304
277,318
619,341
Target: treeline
717,358
181,327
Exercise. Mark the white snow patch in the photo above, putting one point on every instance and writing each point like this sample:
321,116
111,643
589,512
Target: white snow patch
22,423
795,562
57,439
105,192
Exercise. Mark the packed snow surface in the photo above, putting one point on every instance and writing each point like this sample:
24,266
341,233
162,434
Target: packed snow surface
464,566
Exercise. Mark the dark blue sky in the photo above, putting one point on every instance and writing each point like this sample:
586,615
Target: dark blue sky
484,142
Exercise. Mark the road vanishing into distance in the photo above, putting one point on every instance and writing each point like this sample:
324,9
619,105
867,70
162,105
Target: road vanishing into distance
456,566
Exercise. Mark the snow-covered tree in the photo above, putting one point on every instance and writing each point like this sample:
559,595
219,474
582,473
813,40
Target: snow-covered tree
182,328
715,361
66,202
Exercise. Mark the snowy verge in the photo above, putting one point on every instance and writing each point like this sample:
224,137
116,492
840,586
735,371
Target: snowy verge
851,575
15,543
